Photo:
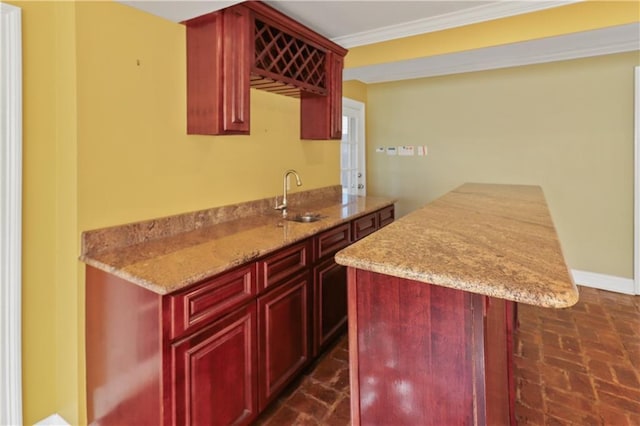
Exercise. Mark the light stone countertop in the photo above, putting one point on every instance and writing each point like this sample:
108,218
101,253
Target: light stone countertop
495,240
172,260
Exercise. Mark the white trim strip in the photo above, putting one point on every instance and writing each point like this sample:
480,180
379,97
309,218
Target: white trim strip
474,15
358,110
52,420
10,215
618,39
603,282
636,203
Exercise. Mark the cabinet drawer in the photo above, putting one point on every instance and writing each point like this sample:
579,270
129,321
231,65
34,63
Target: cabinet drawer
364,226
283,264
204,302
329,242
386,216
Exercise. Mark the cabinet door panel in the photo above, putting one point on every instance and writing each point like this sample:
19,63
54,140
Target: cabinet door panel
238,50
283,336
214,376
330,303
219,53
364,226
283,264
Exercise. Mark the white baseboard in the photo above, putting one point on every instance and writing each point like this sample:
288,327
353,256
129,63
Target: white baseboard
53,420
603,282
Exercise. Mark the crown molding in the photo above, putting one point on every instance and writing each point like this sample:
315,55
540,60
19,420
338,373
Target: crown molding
618,39
486,12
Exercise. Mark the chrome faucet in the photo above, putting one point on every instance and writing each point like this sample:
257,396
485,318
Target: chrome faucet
283,206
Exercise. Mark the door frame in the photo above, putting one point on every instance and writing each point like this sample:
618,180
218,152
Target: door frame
11,214
359,107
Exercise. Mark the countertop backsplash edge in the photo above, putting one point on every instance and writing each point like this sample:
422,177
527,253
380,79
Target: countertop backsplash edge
125,235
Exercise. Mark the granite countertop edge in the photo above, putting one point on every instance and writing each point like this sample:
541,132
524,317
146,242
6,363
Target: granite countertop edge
494,240
153,269
493,289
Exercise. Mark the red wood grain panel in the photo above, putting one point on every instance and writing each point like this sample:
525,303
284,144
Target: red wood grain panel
364,226
201,303
215,375
330,303
497,362
416,352
284,331
275,268
329,242
123,350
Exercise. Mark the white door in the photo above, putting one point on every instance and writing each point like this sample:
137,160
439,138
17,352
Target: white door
352,148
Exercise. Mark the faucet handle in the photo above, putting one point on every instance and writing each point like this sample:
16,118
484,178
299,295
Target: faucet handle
279,206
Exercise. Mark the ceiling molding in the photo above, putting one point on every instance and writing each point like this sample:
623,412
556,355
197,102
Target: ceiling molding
487,12
618,39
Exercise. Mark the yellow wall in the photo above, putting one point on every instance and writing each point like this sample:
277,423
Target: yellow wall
39,290
567,126
135,159
105,144
475,105
355,90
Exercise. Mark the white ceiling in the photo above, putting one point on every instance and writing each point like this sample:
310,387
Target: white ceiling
360,22
354,23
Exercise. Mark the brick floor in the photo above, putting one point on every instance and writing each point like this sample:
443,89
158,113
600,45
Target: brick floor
581,365
574,366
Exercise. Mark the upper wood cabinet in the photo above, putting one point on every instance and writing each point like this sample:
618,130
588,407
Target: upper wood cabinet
253,45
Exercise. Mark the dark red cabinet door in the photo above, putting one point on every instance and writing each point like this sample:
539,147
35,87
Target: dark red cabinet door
283,321
214,372
330,303
219,50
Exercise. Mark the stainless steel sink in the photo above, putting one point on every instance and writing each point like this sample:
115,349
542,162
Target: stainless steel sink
305,218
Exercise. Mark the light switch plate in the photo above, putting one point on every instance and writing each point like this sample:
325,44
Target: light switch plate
406,150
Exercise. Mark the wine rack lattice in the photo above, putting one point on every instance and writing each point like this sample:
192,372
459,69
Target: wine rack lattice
286,64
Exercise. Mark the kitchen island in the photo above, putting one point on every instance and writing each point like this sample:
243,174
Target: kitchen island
432,301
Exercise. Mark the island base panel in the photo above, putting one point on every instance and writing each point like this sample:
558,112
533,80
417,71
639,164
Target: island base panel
417,353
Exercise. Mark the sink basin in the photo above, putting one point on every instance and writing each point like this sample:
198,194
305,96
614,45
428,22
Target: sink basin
305,218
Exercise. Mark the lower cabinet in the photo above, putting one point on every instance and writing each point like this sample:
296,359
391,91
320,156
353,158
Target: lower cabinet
220,351
330,303
214,373
284,318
